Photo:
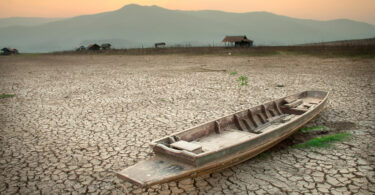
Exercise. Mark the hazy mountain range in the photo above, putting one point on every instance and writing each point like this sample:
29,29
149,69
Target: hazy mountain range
20,21
137,26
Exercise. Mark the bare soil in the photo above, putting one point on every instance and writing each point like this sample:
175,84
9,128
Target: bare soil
77,119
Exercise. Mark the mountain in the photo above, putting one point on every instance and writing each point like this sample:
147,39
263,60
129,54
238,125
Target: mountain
19,21
137,26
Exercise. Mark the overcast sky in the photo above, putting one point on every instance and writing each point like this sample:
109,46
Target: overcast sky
360,10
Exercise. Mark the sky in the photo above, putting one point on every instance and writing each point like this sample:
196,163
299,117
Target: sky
359,10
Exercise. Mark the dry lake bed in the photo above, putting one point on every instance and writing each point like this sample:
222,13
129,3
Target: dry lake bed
76,120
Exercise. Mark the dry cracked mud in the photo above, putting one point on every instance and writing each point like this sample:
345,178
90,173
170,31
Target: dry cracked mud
76,120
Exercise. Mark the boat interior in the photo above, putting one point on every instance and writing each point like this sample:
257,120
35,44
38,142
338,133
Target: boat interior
239,127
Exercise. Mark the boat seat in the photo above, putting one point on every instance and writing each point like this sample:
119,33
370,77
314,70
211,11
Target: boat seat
298,111
290,99
188,146
294,104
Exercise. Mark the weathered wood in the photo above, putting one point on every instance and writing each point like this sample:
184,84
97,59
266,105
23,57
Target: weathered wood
277,108
294,104
230,146
260,116
287,118
218,129
248,125
265,111
239,123
251,117
188,146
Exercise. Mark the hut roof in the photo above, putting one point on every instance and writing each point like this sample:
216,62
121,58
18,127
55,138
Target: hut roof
106,45
236,39
93,45
7,49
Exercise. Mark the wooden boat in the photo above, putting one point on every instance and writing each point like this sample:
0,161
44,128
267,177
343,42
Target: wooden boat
226,141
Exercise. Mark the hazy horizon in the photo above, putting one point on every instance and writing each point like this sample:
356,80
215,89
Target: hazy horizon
309,9
136,26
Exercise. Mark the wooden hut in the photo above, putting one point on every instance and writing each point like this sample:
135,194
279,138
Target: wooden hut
161,44
9,51
238,41
106,46
81,48
93,47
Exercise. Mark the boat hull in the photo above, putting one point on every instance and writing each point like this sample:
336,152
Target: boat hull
162,169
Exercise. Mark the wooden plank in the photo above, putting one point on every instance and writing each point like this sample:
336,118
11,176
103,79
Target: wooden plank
218,128
251,117
260,116
265,112
154,170
294,104
277,108
238,122
188,146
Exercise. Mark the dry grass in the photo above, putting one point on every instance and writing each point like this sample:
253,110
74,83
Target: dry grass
362,51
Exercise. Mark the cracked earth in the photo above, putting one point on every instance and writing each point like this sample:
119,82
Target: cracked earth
76,120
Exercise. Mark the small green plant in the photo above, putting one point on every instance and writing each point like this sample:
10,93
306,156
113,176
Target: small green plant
314,128
3,96
233,72
324,141
243,81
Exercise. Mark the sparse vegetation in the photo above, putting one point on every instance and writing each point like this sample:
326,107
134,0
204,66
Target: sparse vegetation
234,73
243,81
324,141
3,96
349,51
314,128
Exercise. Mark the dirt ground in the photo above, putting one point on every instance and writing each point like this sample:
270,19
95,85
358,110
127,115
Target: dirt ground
76,120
